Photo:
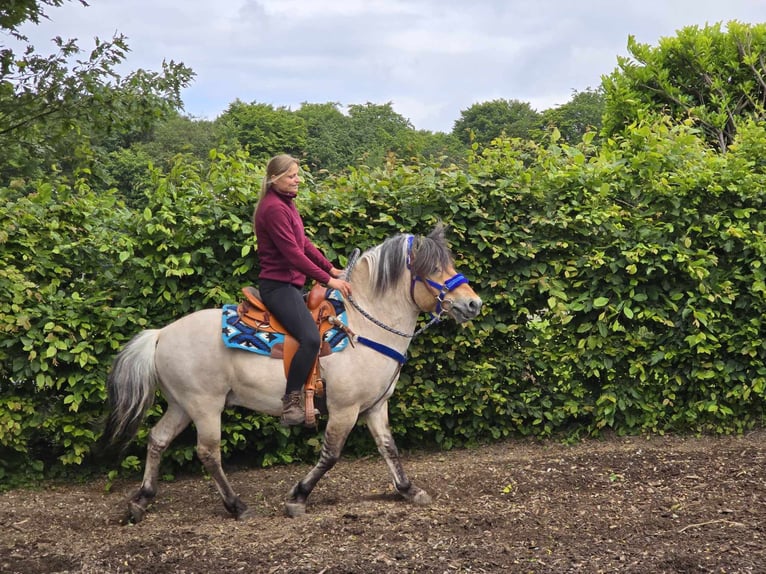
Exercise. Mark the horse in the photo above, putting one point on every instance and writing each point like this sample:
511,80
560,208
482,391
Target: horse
392,284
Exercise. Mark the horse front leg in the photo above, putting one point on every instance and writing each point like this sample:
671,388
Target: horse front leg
377,423
339,426
162,434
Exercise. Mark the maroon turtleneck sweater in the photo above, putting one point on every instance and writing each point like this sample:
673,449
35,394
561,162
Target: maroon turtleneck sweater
284,251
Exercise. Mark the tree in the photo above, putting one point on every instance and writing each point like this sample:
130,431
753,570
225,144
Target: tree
53,113
376,130
179,134
370,133
265,130
579,115
16,12
488,120
127,168
328,139
436,147
712,77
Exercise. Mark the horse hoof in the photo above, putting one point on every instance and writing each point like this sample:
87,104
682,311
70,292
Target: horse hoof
122,518
136,512
294,509
416,496
246,515
421,498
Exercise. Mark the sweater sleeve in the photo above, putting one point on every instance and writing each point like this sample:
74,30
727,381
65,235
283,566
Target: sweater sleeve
307,260
313,253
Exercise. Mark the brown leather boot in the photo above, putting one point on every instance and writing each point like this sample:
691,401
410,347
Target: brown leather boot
292,410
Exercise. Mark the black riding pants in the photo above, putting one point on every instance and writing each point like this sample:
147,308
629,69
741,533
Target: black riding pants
286,302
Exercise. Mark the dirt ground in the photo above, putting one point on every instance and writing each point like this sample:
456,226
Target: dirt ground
659,504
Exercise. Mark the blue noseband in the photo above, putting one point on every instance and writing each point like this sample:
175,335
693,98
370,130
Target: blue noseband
442,290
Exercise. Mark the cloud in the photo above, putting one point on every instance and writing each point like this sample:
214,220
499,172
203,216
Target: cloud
430,58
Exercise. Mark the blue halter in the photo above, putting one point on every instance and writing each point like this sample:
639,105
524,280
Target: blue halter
442,290
442,305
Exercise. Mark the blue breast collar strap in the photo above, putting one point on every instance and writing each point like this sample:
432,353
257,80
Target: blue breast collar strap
383,349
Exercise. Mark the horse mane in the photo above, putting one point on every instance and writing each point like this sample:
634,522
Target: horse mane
388,261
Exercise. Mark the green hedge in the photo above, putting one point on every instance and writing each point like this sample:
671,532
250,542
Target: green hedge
623,285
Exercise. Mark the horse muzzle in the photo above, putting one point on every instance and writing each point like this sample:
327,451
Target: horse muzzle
462,309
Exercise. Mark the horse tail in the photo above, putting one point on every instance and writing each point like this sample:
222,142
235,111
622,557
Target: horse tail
131,387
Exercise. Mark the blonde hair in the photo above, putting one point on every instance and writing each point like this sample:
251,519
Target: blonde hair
276,168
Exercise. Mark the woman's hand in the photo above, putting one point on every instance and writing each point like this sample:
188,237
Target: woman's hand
335,272
341,285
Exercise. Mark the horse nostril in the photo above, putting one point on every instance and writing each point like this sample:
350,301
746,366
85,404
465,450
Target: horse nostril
475,306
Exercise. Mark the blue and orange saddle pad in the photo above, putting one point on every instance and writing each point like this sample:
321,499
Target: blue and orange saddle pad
237,335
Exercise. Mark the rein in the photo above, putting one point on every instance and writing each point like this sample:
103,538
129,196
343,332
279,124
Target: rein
349,268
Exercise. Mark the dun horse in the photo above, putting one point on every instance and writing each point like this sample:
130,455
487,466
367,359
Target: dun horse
199,376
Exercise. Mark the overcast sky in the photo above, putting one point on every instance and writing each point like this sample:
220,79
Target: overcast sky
430,58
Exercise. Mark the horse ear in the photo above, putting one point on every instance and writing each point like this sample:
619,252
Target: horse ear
439,232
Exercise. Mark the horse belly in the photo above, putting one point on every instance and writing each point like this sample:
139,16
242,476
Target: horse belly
257,382
195,366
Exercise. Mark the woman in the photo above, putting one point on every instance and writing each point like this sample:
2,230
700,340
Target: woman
287,258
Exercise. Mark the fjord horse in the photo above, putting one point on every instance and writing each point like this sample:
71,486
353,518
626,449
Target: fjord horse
199,377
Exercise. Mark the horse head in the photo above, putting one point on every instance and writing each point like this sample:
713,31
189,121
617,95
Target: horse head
435,286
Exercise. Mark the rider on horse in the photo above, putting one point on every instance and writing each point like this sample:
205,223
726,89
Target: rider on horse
287,257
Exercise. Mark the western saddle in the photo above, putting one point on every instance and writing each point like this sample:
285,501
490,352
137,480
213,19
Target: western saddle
253,312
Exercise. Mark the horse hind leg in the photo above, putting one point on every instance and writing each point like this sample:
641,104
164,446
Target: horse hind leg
377,423
162,434
209,453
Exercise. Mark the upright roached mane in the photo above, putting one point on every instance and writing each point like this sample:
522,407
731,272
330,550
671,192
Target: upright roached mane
200,377
388,260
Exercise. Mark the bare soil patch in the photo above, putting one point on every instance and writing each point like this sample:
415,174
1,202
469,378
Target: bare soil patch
659,504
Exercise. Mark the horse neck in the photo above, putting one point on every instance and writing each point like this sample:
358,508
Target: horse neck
393,308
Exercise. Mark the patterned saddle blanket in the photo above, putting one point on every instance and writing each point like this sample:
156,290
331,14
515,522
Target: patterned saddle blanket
238,335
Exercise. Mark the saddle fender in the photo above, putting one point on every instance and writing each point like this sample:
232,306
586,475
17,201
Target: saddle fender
253,312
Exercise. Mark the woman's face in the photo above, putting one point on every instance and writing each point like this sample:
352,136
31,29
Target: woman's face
287,182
